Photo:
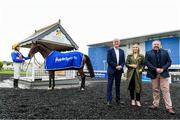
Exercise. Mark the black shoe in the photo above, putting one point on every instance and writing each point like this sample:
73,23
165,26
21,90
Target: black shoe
170,111
152,107
118,102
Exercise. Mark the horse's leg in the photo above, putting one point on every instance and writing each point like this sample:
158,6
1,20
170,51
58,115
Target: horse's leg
53,77
50,77
82,78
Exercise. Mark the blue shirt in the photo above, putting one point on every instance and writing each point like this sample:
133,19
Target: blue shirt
15,55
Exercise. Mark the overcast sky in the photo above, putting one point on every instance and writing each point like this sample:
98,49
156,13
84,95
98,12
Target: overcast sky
86,21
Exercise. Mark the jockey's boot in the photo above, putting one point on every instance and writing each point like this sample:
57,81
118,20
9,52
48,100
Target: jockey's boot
15,83
83,82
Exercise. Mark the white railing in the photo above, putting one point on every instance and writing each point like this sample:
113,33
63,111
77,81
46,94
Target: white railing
36,71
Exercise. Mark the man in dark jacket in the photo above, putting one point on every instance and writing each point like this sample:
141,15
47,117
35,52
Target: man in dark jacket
158,61
116,61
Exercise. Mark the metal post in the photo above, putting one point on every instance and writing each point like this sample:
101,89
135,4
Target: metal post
73,73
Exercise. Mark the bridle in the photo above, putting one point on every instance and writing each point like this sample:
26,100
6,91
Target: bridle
35,57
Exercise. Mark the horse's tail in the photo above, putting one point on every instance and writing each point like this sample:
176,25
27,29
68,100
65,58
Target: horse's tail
89,66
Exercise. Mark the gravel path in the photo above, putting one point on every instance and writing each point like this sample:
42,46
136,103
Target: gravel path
73,103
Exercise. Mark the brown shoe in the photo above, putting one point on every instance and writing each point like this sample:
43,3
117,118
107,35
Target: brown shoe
152,107
170,111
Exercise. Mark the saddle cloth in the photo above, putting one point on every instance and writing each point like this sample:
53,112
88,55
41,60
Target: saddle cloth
61,61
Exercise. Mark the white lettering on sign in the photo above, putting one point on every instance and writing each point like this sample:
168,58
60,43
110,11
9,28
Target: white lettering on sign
65,59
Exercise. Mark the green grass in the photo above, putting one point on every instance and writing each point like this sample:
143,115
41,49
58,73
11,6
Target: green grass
9,72
6,72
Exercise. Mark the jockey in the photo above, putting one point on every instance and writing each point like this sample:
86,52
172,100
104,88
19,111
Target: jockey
17,58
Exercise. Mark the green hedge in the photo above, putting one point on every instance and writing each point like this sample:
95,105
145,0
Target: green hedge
9,72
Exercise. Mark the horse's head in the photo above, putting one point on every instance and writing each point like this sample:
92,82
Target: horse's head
33,50
38,48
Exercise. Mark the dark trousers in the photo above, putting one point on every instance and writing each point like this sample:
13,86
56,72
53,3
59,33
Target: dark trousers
132,95
132,89
111,77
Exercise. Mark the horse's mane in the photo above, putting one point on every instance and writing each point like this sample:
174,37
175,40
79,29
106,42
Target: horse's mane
43,45
43,49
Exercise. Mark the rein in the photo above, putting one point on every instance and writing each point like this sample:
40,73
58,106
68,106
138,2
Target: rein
28,65
37,63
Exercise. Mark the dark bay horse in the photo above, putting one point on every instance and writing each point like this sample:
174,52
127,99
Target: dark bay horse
45,51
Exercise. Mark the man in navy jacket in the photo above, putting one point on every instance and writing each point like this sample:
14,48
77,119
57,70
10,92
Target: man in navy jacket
158,61
116,61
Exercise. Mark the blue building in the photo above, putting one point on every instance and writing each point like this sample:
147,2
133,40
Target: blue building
170,41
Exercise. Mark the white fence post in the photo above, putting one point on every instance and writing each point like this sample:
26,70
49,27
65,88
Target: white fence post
33,69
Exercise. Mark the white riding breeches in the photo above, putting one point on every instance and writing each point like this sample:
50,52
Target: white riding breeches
17,69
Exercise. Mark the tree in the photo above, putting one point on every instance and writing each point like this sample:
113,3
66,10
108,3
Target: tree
1,65
9,63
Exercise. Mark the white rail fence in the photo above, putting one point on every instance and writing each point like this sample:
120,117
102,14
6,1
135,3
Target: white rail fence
34,72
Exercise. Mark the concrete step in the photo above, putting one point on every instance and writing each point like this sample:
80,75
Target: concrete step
41,84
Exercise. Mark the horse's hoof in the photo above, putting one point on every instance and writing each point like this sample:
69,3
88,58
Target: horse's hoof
49,88
82,89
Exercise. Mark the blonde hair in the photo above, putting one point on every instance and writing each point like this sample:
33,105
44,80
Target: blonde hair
137,45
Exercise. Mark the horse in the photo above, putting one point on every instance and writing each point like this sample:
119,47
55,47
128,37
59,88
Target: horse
45,52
